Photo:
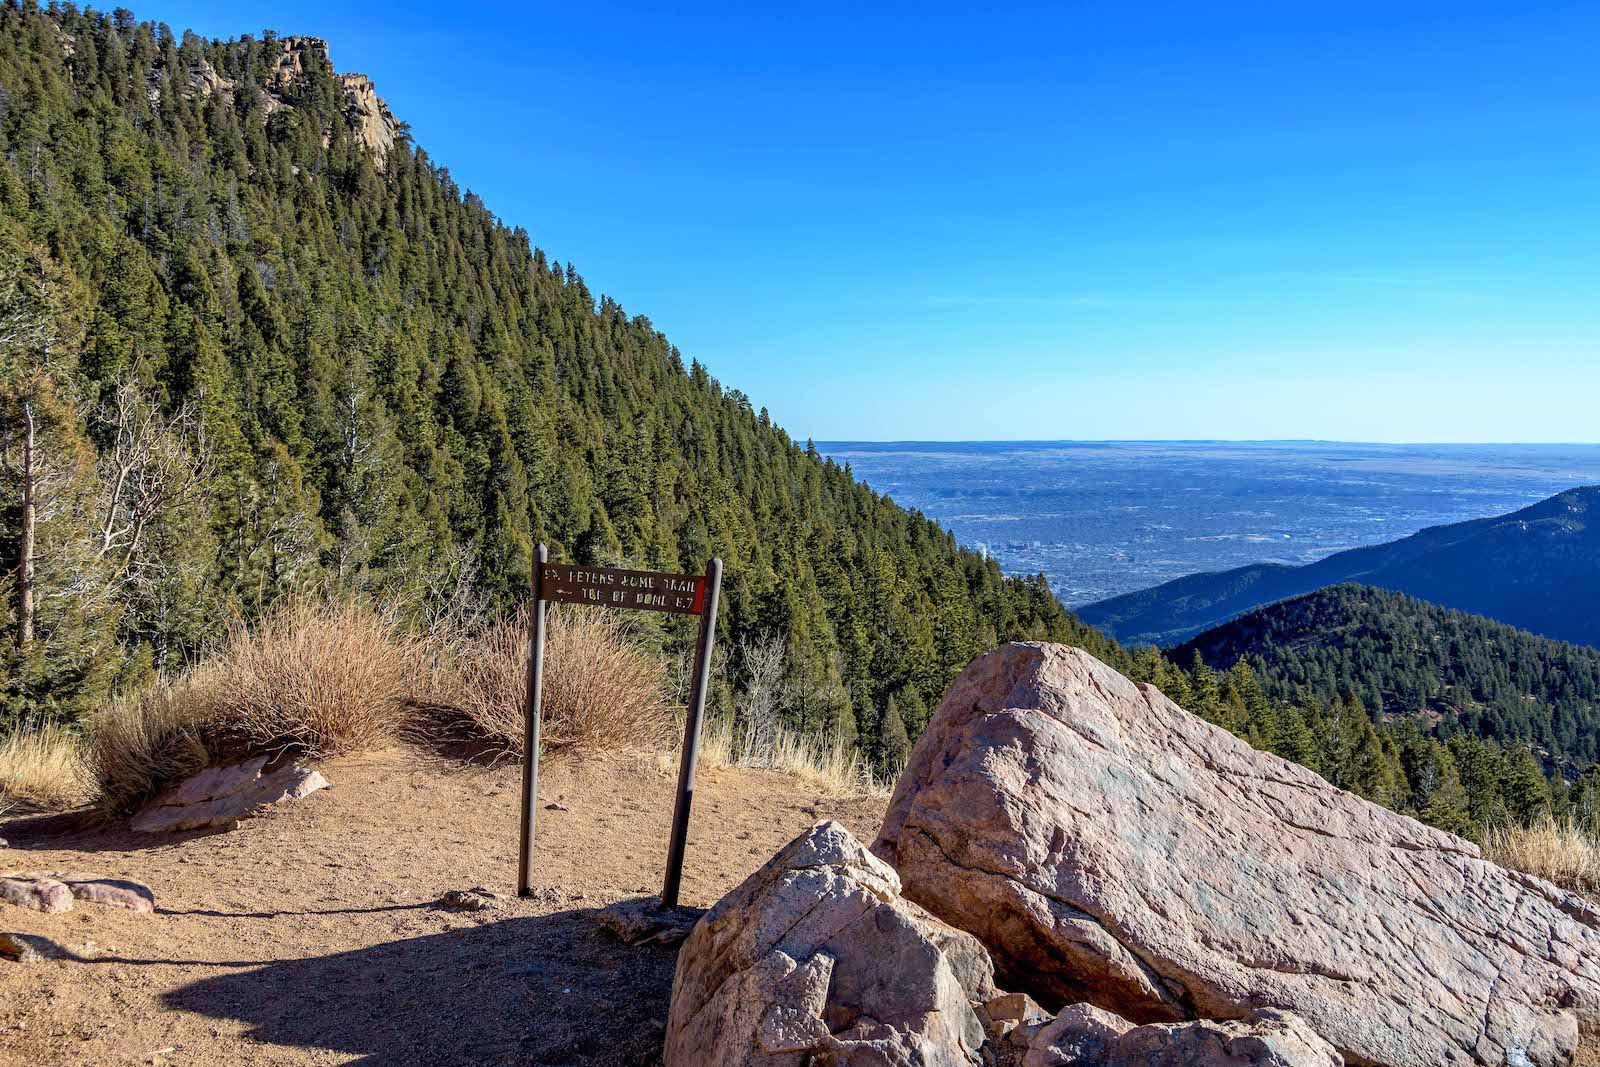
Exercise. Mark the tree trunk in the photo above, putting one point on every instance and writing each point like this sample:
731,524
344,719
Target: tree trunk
25,549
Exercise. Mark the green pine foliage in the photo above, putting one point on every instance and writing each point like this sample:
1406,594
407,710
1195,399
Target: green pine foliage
1464,673
388,391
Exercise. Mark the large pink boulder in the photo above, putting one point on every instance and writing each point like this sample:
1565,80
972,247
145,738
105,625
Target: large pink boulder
1109,847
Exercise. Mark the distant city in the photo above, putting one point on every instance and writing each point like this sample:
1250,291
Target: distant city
1103,518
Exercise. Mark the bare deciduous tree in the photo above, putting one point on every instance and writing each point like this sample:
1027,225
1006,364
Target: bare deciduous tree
27,356
149,470
760,698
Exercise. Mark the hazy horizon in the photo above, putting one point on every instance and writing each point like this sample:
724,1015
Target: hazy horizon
1196,441
1107,517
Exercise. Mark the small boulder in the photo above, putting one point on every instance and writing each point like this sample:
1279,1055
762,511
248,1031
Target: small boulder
1015,1016
218,797
54,891
1086,1036
14,948
816,958
643,921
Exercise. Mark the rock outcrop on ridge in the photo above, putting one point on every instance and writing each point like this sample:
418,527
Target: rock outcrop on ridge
1109,847
367,115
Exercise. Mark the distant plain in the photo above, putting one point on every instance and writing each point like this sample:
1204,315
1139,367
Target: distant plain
1104,518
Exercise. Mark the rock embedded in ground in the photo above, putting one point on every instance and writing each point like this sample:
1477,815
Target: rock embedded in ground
816,958
1086,1036
643,921
55,891
41,894
221,796
17,950
475,899
1109,847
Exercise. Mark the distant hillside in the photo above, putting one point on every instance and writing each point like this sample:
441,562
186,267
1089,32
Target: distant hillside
1399,655
1538,568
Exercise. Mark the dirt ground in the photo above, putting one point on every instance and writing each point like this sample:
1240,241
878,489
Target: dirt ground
312,935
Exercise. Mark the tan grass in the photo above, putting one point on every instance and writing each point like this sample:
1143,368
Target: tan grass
149,738
323,679
43,767
830,767
1559,852
318,678
602,693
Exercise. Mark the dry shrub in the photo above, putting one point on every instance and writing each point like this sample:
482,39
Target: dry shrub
602,692
139,743
1560,852
317,678
43,767
323,679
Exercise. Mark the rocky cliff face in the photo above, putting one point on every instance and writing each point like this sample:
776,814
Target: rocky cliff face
365,112
368,115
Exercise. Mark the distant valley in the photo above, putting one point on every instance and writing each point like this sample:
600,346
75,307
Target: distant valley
1103,518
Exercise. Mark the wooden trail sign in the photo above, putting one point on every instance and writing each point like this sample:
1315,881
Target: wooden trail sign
610,587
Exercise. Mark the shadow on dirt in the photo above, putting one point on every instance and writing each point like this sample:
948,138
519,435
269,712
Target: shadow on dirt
552,991
84,830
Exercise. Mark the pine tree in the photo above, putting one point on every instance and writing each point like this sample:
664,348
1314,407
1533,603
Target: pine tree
1448,807
894,747
1523,784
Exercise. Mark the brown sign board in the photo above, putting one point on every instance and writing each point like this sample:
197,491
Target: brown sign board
681,594
607,587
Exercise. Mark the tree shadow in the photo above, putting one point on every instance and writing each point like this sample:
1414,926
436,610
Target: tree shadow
551,991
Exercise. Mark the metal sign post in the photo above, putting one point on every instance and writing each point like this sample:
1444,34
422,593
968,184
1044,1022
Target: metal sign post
530,729
679,594
691,739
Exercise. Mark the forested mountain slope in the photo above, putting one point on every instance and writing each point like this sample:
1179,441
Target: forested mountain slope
257,343
1538,569
1401,657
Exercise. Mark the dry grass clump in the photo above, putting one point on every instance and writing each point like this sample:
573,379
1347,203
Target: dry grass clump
317,678
323,679
43,767
601,692
1560,852
831,767
149,738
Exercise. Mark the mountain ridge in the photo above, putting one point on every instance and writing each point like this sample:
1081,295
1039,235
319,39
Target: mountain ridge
1532,568
1405,658
383,390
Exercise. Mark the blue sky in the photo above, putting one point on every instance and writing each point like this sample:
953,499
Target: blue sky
1300,220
